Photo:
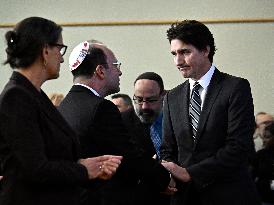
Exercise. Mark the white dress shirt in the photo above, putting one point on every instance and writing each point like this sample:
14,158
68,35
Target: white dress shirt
204,82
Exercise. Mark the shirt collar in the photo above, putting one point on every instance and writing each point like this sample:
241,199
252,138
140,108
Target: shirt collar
205,79
91,89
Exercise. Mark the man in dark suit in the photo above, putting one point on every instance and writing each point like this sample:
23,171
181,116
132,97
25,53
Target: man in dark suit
99,125
207,130
145,124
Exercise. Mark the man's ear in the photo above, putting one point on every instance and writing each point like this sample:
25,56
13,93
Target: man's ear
207,50
45,54
100,71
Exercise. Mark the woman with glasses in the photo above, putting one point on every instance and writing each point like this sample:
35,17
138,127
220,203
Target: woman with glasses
38,149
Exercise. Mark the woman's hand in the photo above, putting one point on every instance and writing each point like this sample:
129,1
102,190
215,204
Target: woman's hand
102,167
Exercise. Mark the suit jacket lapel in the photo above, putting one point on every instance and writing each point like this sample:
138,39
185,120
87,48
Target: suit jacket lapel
211,95
185,108
182,113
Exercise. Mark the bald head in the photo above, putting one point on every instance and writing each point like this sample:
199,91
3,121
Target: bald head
262,120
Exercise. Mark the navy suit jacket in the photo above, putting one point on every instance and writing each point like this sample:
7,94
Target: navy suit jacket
38,149
218,161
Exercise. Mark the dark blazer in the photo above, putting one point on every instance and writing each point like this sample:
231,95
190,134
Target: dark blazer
264,173
100,128
140,132
38,149
145,193
218,162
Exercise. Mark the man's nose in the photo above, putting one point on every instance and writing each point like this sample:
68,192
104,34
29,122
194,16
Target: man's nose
145,105
179,60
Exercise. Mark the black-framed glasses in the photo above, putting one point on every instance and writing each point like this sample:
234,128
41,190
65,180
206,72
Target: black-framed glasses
117,65
62,47
140,100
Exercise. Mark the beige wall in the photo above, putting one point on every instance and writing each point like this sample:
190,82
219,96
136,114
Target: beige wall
244,49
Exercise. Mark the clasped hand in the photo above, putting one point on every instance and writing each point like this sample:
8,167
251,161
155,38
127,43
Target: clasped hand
179,173
102,167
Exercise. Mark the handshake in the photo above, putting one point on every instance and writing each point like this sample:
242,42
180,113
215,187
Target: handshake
102,167
176,172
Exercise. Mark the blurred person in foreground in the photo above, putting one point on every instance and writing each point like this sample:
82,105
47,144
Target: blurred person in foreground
56,98
264,167
39,152
208,125
99,126
122,101
144,121
262,120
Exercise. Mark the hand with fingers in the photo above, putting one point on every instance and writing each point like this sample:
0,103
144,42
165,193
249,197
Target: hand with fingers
102,167
109,167
177,171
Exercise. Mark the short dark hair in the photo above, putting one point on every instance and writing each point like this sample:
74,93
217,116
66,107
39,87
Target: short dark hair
26,41
193,32
152,76
125,97
94,57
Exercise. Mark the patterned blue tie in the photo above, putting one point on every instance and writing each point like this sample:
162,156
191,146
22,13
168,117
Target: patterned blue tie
195,108
156,134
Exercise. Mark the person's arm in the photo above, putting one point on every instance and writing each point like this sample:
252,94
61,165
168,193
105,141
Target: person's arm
118,141
20,129
238,146
231,157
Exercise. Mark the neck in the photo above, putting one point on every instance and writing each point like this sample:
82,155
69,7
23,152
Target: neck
34,74
93,83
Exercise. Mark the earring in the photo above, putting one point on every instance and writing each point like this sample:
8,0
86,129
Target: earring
45,64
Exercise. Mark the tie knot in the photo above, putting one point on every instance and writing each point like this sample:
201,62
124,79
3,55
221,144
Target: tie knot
196,86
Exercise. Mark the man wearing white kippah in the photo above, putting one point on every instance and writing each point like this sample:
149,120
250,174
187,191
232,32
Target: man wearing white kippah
100,129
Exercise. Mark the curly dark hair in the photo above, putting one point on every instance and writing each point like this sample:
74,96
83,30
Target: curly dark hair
193,32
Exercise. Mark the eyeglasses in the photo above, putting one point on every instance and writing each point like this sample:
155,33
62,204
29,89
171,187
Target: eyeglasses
140,100
117,65
62,47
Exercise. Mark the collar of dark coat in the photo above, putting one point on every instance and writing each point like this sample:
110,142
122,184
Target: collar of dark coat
44,103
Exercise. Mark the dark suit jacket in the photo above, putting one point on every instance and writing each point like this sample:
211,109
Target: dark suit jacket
218,162
140,132
145,193
100,128
264,173
38,149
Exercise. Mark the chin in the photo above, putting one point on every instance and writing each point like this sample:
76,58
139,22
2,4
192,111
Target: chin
146,120
53,77
186,75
